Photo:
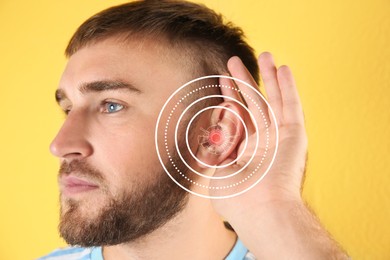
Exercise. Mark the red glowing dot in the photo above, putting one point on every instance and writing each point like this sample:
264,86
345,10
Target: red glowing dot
216,137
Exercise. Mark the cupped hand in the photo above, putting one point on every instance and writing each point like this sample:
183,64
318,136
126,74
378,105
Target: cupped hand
283,182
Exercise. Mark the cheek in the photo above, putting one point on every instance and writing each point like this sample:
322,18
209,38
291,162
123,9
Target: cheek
128,155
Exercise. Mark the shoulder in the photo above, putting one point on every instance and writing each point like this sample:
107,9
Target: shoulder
74,253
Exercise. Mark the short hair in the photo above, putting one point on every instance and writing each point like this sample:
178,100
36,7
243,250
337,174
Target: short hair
210,40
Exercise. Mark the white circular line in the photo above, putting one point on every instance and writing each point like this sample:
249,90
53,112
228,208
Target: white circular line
270,110
211,177
200,173
265,152
257,137
238,157
177,146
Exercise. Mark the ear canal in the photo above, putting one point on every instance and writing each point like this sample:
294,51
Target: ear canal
218,140
213,139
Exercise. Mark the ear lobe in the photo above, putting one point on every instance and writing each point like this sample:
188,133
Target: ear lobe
219,140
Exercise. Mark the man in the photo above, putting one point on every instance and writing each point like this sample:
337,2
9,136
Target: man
116,200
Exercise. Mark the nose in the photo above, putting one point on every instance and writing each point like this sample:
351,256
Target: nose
71,141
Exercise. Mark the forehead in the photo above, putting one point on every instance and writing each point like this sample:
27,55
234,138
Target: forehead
148,65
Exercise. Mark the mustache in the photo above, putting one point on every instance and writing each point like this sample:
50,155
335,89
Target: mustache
81,169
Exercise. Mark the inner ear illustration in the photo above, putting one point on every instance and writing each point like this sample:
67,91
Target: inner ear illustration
216,140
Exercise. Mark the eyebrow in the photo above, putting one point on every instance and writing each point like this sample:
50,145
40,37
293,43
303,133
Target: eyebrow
99,86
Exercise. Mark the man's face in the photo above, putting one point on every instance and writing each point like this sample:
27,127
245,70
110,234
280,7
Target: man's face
113,92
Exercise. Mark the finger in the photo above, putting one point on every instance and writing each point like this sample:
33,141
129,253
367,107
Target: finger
292,108
269,76
251,97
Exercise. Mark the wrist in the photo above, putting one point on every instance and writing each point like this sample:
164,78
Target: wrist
265,209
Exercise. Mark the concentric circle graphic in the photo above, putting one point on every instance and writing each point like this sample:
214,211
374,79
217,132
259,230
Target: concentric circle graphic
216,137
187,143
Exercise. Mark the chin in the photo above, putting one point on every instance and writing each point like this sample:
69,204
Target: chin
84,208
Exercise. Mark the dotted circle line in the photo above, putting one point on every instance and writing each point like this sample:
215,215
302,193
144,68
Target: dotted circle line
194,182
213,187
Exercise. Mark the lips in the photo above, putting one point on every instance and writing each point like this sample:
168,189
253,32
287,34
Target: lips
71,185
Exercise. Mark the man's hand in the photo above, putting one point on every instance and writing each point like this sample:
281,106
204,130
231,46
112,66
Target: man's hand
271,218
283,181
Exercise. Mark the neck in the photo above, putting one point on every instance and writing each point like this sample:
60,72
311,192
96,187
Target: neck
195,233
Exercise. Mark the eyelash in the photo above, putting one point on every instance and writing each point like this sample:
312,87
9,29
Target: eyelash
104,107
66,111
106,104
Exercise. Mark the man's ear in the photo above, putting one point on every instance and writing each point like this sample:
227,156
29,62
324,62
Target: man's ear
220,136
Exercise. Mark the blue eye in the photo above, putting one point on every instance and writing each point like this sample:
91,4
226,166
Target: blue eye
111,107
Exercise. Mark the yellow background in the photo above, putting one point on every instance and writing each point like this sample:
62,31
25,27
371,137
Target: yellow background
338,51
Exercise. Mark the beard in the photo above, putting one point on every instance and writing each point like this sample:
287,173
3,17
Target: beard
124,218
